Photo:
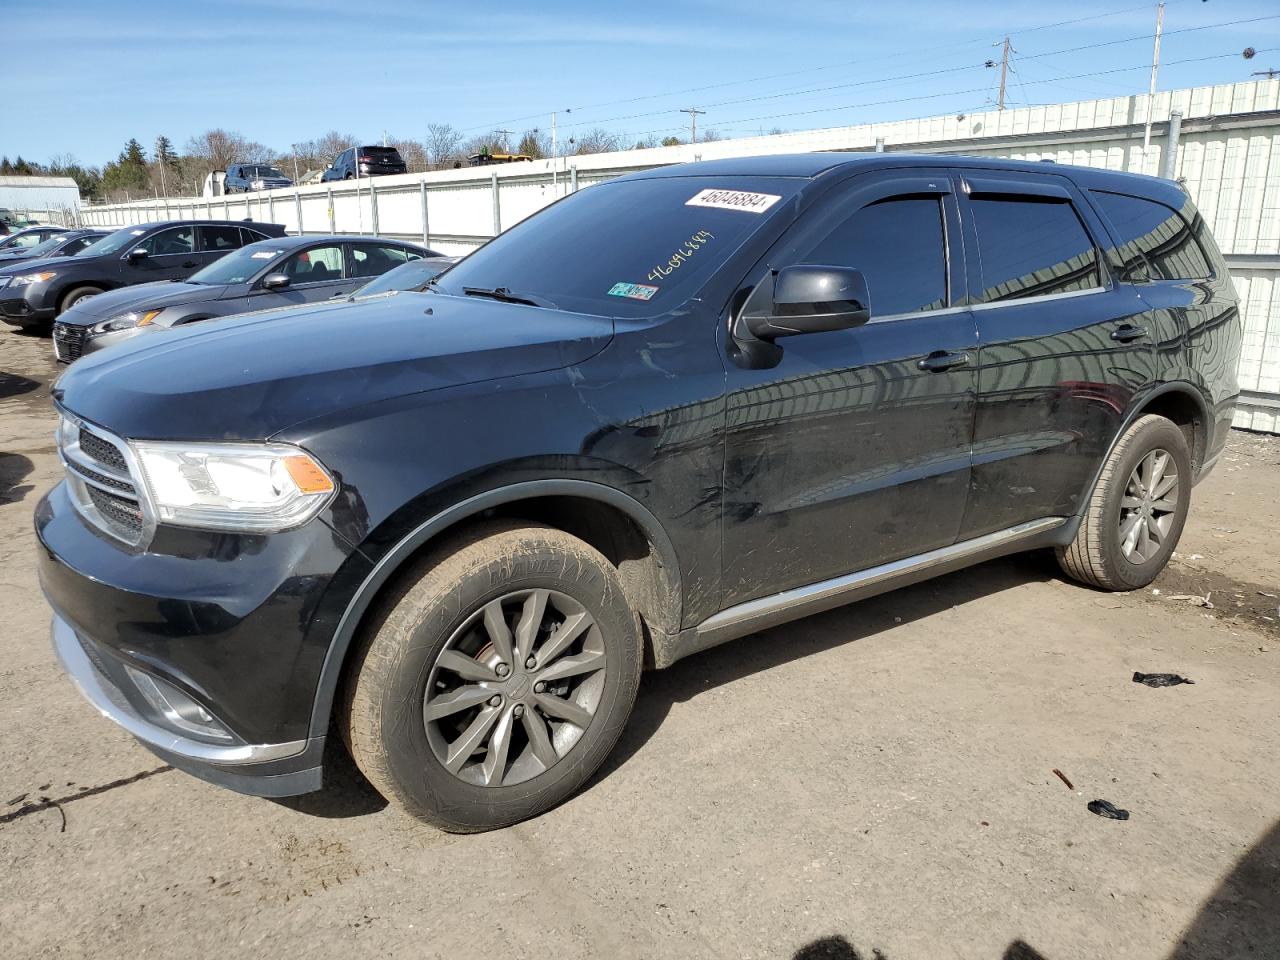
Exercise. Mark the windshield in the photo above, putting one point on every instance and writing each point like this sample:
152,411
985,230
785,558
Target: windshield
408,276
262,172
48,246
629,248
112,242
240,266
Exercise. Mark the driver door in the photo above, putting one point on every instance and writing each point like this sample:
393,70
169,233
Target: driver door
854,449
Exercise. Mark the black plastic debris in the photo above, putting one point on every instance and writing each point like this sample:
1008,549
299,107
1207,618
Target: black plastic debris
1104,808
1160,679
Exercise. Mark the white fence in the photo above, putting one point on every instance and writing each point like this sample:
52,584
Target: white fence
1228,157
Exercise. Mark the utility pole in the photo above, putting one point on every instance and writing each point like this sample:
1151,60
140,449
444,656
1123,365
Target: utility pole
1270,74
506,144
1155,67
1004,73
693,113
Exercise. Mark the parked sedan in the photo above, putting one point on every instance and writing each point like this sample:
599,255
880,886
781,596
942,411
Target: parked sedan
244,177
27,238
62,244
282,272
34,292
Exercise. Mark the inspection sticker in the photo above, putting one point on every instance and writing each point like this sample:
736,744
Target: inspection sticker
265,254
733,200
635,291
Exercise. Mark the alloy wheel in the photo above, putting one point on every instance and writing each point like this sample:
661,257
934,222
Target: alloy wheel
1149,506
514,688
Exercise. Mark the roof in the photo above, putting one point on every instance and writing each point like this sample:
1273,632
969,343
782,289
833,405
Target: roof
45,182
293,242
811,165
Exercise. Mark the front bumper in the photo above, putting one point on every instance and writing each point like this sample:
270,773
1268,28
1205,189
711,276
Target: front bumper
237,625
19,308
261,769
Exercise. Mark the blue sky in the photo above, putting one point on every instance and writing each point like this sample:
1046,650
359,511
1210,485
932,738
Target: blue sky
281,71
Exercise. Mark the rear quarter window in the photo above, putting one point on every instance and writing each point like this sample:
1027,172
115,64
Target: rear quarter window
1150,234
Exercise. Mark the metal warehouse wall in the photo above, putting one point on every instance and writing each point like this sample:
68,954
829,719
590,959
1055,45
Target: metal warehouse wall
1228,158
46,197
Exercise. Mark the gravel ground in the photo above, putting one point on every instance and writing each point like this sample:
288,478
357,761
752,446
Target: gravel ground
878,781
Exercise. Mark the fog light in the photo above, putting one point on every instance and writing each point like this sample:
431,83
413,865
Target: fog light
177,709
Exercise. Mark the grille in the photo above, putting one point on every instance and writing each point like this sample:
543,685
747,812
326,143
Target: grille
101,484
68,341
123,516
104,451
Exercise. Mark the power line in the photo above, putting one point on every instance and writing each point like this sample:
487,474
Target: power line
829,66
693,113
953,93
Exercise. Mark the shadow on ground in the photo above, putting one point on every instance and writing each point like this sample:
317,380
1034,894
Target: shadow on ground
661,689
1240,919
14,468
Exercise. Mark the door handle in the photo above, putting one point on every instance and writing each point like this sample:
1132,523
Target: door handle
1128,332
940,360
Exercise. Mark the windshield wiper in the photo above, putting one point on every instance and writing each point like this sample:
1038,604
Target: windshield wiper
507,296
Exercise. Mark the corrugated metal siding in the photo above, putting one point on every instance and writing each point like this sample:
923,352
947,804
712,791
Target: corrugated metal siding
1229,159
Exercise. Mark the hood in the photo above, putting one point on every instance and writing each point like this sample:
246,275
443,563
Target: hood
148,296
10,267
249,377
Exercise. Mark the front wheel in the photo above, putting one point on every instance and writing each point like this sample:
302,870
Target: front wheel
1136,513
75,295
496,680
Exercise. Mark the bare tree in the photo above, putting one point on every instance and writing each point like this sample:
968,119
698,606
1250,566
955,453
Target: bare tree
596,141
319,153
710,136
534,143
412,152
443,145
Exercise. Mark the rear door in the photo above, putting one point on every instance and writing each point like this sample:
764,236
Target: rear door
215,242
1063,347
368,260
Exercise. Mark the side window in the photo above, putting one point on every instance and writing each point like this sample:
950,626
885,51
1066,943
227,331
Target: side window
317,265
252,236
1032,247
370,260
899,244
26,240
1152,233
168,242
75,246
219,239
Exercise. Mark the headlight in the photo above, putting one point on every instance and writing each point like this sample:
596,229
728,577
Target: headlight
27,278
4,282
126,321
255,488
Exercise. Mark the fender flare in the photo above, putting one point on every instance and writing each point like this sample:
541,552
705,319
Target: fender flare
1184,387
394,558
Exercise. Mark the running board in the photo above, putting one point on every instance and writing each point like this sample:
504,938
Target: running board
755,615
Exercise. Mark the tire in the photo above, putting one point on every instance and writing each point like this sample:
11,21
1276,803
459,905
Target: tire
1100,555
406,731
75,295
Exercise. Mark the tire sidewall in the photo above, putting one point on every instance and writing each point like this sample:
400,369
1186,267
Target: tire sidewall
70,299
1156,435
434,792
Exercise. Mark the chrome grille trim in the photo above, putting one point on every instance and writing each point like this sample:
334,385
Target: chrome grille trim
102,477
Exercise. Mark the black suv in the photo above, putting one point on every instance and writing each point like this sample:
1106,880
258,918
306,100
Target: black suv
365,162
453,526
33,292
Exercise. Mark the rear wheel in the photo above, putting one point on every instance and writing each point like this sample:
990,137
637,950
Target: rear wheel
75,295
496,680
1137,511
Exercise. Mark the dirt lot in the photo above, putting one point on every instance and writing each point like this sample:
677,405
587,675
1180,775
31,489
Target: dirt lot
874,782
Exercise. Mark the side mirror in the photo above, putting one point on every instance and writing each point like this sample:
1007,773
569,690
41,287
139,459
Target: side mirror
137,255
809,298
275,281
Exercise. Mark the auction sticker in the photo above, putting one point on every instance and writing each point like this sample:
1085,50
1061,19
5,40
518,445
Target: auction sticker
265,254
733,200
635,291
